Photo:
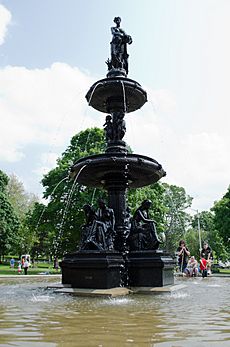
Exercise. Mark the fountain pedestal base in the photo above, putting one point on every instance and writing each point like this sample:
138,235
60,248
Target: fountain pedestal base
93,269
150,269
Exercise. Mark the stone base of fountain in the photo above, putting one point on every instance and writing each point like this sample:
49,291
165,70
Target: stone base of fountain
105,270
150,269
93,269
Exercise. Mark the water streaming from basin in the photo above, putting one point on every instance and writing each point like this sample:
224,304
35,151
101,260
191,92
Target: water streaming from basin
33,316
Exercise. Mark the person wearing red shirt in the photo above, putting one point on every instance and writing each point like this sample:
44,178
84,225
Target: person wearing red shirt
203,267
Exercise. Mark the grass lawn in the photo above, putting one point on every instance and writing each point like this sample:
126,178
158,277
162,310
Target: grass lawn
41,268
224,271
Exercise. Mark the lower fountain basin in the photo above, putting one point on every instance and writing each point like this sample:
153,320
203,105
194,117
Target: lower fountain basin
133,169
34,316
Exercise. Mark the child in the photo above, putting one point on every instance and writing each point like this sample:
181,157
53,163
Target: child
203,267
191,269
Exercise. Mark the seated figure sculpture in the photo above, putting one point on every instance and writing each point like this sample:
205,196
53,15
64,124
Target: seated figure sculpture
97,233
86,229
143,235
106,220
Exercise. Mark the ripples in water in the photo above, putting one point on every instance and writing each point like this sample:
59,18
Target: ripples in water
31,315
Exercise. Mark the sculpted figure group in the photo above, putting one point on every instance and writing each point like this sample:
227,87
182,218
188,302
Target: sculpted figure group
99,230
115,127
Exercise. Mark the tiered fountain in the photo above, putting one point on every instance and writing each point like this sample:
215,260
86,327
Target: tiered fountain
117,249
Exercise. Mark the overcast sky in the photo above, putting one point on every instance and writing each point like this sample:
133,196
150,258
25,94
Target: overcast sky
52,51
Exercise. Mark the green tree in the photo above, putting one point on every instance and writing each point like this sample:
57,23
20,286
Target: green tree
57,226
176,219
202,227
192,241
221,211
205,221
9,223
22,202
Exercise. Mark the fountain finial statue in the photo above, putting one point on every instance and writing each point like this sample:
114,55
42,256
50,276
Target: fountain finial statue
119,55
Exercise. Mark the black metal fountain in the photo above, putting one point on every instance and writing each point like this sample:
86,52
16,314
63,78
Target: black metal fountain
117,249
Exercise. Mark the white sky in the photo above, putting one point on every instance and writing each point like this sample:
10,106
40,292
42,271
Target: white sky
50,54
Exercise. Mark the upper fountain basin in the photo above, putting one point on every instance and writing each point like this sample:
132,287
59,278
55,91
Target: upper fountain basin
116,93
100,170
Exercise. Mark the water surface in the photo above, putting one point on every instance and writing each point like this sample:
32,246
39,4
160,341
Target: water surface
33,316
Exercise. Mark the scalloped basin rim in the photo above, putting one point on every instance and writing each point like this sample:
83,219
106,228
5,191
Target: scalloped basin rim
132,169
111,93
113,156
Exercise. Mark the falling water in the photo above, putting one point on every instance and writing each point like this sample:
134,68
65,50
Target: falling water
97,84
93,195
39,220
67,206
124,98
153,107
87,140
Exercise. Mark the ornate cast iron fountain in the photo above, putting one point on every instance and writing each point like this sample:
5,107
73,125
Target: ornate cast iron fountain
117,249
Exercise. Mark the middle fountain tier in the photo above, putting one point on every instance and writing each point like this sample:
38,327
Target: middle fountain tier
116,247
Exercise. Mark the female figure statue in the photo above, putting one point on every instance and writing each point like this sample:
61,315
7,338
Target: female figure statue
143,235
119,55
98,232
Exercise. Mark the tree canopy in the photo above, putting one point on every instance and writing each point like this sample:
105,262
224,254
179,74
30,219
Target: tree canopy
9,222
176,218
221,211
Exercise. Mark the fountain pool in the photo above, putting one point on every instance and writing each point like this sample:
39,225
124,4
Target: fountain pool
33,316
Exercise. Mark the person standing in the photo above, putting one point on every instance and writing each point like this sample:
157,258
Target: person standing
203,267
206,253
25,266
12,261
183,254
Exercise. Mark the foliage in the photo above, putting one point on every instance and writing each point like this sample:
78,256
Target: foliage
222,217
176,219
192,242
208,232
57,226
9,223
221,221
203,227
22,202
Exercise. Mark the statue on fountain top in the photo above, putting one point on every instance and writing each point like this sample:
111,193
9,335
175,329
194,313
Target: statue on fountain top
119,55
